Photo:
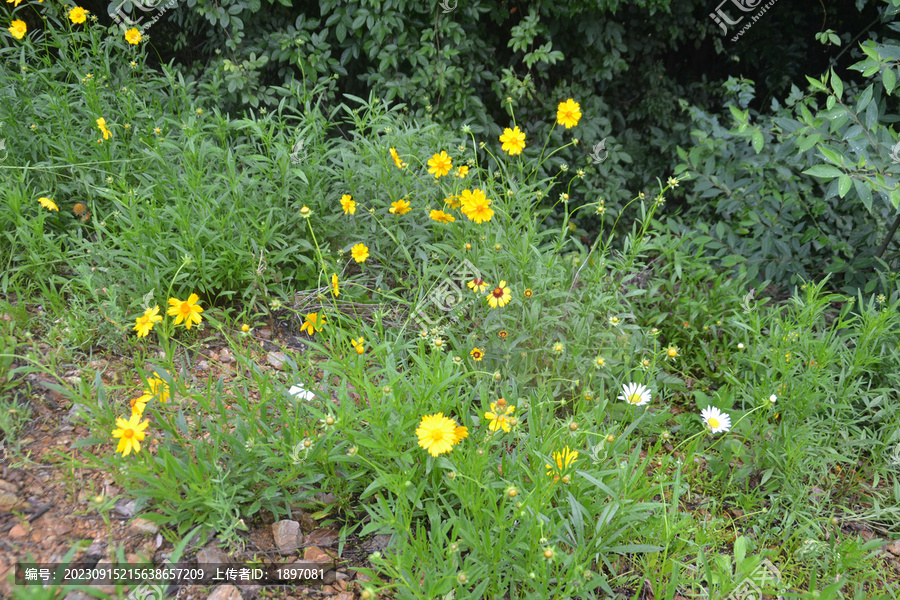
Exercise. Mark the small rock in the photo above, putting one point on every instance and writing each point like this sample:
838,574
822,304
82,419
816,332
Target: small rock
10,502
328,590
329,578
95,550
322,537
319,556
287,535
211,556
8,486
326,498
362,577
341,585
124,507
276,359
225,592
307,523
18,532
225,356
143,526
62,528
203,365
376,543
342,576
894,548
264,332
344,596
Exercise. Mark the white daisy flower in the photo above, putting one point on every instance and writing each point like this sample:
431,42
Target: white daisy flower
715,419
300,393
773,398
635,394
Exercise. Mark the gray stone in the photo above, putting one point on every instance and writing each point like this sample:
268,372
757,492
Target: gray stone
287,535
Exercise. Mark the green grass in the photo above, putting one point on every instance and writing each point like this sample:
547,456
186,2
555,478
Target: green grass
212,205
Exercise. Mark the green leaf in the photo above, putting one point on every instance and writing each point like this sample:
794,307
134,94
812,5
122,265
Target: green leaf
837,84
757,141
824,171
816,84
888,79
864,193
843,185
809,142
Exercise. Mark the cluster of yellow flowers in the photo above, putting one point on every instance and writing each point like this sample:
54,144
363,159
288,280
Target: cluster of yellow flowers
186,310
77,15
497,298
130,431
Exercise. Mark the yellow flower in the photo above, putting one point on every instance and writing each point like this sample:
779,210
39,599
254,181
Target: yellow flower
144,323
78,15
500,296
513,141
568,113
671,352
438,434
130,434
157,388
358,345
139,404
313,323
476,206
15,3
360,252
348,204
440,164
245,328
441,217
499,415
477,285
400,164
133,36
18,28
101,123
563,460
453,201
558,348
48,204
400,207
528,293
461,171
477,354
336,290
186,311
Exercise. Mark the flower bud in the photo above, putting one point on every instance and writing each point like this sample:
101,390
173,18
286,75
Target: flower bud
548,553
497,376
573,426
610,439
512,492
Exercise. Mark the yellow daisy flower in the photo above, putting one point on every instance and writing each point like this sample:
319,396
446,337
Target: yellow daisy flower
513,141
440,164
438,434
400,207
568,113
48,204
313,323
441,217
144,323
348,204
500,296
130,434
360,252
186,311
